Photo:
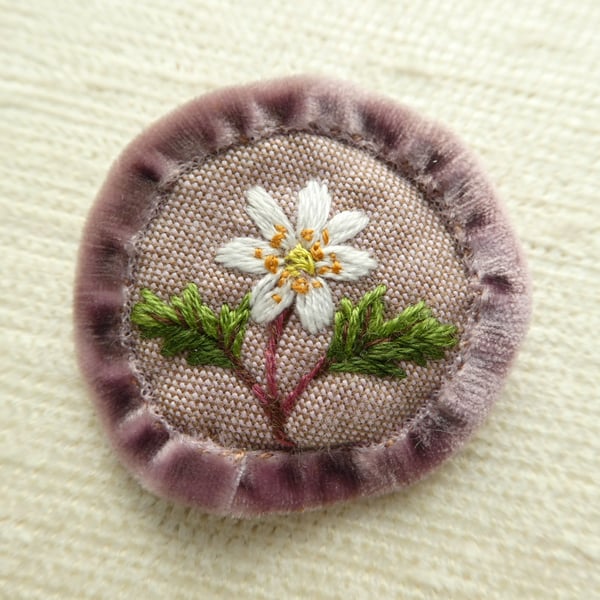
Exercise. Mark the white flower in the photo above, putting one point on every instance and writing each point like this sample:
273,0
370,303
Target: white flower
297,262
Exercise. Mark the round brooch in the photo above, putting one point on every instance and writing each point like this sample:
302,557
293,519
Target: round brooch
294,293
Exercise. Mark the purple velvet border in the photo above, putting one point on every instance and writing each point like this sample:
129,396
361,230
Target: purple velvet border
248,483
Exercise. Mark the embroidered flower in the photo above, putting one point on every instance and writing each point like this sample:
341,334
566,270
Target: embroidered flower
297,262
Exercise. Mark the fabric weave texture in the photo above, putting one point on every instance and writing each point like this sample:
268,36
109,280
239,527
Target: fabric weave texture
418,261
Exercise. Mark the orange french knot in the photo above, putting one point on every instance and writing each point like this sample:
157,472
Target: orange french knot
316,251
283,278
279,236
300,286
258,253
271,263
336,267
307,234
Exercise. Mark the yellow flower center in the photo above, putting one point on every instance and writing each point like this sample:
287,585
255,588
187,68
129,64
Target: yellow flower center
299,260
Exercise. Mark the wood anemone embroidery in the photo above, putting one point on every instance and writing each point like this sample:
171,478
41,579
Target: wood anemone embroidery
296,264
358,428
295,267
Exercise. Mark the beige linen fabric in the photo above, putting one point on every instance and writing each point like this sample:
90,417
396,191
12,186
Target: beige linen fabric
516,514
417,260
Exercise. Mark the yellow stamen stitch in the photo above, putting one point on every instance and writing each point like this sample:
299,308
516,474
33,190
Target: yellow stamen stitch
300,286
325,236
258,253
276,298
324,270
307,234
316,283
299,260
271,263
317,252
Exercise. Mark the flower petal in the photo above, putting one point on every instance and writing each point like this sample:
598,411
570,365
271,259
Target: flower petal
346,225
315,308
314,203
246,254
267,300
266,213
353,263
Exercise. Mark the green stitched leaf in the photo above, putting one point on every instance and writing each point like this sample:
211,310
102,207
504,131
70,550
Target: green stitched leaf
368,367
240,322
364,342
405,320
201,357
232,324
188,326
179,340
144,314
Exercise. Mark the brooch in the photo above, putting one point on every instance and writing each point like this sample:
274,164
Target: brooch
294,293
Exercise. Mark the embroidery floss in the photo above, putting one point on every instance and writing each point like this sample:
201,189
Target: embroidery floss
300,258
363,342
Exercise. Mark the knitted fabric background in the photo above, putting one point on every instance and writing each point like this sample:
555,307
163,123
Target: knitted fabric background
516,514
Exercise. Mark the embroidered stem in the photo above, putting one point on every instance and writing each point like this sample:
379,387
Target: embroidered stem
269,404
189,327
290,402
363,341
273,405
276,328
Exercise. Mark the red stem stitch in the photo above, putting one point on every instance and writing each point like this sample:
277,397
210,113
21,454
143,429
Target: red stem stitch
290,402
275,332
270,405
277,411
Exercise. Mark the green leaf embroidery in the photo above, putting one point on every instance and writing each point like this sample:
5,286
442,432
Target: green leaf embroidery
364,342
188,326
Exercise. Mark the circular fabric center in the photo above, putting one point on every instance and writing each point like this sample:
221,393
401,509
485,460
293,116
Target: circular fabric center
206,208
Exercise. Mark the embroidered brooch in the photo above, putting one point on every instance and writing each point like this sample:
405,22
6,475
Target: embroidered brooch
292,294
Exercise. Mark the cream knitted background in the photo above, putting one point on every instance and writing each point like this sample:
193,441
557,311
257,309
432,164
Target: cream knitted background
517,513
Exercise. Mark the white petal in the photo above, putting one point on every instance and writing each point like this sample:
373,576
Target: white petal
315,308
346,225
265,212
264,307
314,203
239,254
355,263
